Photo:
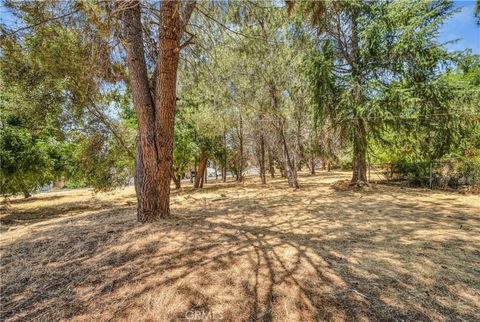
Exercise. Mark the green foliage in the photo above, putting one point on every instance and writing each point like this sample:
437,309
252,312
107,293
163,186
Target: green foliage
468,173
67,112
451,173
394,77
28,161
102,163
60,81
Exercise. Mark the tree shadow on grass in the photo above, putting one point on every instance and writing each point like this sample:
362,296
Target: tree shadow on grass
284,257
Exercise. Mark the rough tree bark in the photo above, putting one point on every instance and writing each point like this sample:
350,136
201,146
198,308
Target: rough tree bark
154,102
146,167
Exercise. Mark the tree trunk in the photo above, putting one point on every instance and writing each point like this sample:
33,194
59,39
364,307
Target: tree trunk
360,137
225,157
176,180
271,167
281,167
312,164
360,155
205,175
146,167
166,97
262,159
288,161
201,170
289,164
154,103
240,161
26,193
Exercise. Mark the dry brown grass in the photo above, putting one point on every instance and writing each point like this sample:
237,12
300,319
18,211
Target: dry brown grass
259,253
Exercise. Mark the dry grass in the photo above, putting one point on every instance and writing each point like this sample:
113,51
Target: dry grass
258,253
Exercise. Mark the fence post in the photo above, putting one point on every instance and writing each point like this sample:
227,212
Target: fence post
430,175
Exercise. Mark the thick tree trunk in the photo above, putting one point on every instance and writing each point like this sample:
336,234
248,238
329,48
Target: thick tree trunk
202,165
146,167
165,97
154,103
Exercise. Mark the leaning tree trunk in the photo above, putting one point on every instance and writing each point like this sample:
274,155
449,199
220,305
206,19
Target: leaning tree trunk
289,162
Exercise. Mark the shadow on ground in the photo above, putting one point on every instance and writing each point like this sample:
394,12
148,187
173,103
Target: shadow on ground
259,254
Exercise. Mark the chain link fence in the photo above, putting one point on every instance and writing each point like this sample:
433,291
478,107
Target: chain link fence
438,174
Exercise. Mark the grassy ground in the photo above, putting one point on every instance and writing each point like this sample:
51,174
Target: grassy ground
244,253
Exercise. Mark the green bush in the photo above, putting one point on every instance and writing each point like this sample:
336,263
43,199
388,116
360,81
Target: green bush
441,173
416,173
468,173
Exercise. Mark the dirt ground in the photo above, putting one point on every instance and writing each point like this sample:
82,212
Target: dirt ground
244,252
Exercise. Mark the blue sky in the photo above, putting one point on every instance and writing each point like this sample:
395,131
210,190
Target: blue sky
464,27
461,26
